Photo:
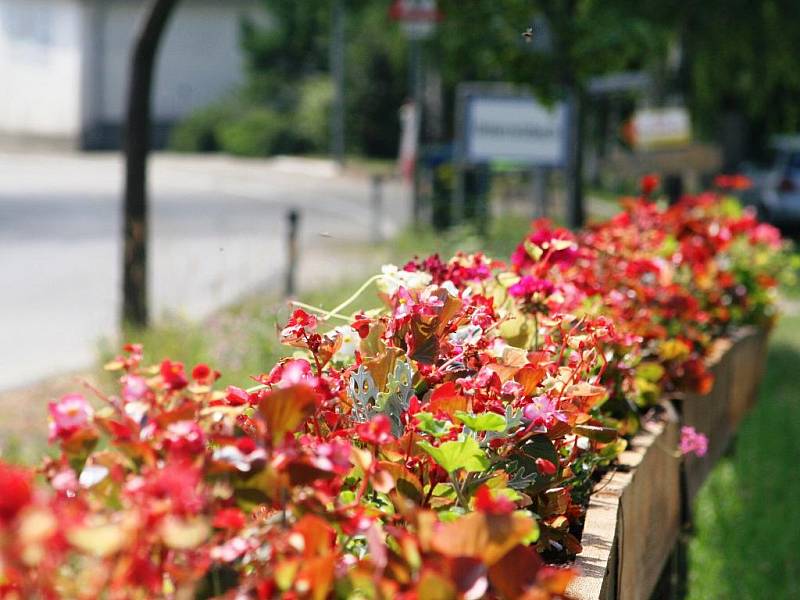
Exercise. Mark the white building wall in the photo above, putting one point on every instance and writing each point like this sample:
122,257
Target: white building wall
40,68
199,62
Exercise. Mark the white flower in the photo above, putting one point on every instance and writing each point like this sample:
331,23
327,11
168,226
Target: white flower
350,340
450,287
393,279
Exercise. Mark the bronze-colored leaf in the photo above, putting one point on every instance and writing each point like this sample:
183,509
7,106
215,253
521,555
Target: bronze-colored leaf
285,409
483,536
516,571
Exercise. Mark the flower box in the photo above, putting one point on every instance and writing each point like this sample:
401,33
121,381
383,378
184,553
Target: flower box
635,513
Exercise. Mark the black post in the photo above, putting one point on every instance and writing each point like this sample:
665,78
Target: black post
576,215
293,221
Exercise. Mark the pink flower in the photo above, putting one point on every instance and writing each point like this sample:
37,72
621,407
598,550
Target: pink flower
293,371
68,415
186,437
404,304
693,442
134,388
542,411
528,286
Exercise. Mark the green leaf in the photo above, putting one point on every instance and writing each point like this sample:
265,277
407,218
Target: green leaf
459,454
433,426
521,465
487,421
650,371
534,251
533,536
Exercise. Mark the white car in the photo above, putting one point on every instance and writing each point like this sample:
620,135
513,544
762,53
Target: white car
776,187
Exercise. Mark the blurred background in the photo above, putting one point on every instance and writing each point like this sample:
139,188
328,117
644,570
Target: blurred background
299,144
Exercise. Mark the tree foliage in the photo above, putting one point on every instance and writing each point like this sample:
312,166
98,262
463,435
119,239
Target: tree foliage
736,55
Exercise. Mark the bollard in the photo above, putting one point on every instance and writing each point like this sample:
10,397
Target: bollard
376,230
293,219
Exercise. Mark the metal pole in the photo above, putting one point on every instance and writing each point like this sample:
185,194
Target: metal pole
376,233
337,63
293,221
574,183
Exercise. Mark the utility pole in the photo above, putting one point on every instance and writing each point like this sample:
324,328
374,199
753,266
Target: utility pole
561,19
137,146
337,65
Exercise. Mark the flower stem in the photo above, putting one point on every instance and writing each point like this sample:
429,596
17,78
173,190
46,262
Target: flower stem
353,298
320,311
459,492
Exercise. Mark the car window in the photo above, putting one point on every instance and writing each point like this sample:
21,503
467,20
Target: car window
793,165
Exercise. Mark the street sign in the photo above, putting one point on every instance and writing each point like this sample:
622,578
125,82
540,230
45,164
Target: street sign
661,127
623,81
417,17
513,128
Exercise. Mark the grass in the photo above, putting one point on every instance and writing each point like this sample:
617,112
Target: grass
747,543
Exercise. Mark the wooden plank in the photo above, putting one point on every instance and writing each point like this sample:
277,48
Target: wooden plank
634,516
633,519
709,415
746,357
650,517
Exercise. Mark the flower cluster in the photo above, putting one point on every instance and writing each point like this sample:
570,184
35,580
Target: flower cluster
435,447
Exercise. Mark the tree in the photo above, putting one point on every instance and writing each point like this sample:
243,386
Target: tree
137,146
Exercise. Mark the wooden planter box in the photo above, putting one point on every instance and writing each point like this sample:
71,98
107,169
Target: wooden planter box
636,512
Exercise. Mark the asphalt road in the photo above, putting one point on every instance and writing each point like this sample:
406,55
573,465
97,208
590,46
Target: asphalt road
217,231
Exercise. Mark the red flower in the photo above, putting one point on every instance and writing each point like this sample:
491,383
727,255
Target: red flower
15,483
300,324
361,325
204,374
229,518
736,181
378,430
237,396
492,505
545,467
649,183
186,437
173,375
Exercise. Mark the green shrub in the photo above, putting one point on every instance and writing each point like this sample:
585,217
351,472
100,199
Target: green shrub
198,131
312,116
256,132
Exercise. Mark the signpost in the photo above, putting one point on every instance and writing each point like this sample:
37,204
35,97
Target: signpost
654,128
495,122
418,19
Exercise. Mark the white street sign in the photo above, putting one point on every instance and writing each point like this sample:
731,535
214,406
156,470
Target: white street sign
516,129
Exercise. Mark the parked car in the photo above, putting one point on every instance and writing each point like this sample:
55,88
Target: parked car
776,186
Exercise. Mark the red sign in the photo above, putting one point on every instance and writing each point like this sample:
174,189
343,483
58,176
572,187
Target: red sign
415,11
